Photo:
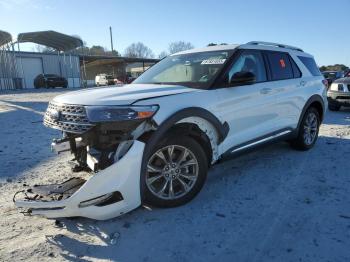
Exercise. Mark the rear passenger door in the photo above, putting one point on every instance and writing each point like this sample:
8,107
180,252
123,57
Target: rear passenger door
285,83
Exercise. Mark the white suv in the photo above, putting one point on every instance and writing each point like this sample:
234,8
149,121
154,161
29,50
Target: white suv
153,141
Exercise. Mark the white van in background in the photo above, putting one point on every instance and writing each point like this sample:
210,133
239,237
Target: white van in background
104,80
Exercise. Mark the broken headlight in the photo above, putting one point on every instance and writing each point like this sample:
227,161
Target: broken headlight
119,113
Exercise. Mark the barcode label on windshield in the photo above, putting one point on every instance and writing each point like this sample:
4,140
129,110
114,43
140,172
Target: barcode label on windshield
213,62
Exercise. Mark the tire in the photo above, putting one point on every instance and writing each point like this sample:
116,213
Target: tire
185,173
308,130
333,107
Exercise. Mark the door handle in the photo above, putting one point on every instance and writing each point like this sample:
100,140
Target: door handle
266,90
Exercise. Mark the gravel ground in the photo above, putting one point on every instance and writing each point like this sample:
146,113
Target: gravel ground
275,204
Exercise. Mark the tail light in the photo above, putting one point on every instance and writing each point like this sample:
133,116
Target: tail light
325,83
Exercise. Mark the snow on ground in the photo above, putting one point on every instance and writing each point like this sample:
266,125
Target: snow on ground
275,204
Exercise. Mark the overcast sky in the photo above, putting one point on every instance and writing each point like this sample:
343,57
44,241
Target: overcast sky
318,27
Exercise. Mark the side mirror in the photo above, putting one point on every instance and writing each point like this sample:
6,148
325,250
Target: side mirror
243,78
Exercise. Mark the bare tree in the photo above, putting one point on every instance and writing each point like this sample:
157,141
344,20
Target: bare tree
178,46
97,50
162,54
138,50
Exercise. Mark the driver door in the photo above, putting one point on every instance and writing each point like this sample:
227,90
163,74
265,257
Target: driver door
248,109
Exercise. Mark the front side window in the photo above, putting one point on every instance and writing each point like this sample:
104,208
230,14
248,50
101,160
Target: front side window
280,65
195,70
249,61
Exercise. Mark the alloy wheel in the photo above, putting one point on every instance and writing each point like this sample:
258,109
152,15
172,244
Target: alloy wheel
172,171
310,128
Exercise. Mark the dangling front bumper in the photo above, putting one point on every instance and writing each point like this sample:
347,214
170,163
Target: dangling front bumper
95,198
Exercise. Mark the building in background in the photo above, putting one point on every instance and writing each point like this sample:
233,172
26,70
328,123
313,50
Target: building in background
31,64
19,69
122,68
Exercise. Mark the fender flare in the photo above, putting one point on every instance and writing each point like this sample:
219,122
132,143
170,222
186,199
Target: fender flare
314,98
221,128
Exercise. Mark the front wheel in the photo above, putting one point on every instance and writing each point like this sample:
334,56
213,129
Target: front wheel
308,130
176,171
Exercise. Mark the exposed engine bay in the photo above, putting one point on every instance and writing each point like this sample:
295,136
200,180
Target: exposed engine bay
101,146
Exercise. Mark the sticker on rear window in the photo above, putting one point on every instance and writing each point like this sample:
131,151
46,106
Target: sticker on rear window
282,63
213,62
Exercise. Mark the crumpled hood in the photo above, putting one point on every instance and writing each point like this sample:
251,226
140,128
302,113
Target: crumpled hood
119,95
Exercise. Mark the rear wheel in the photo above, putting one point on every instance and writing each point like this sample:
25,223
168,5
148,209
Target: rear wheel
175,173
333,107
308,130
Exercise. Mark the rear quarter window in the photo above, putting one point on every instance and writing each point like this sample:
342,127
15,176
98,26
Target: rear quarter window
310,64
280,65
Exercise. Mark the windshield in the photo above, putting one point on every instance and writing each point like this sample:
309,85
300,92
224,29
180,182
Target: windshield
195,70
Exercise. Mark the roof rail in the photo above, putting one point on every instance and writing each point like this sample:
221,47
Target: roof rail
275,44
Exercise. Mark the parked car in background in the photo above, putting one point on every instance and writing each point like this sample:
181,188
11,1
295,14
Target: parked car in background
347,74
50,81
130,79
330,76
338,94
117,81
104,80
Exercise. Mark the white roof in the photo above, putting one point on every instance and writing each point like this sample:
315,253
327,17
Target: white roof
251,45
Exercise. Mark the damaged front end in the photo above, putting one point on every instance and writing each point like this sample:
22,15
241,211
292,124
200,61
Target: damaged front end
108,142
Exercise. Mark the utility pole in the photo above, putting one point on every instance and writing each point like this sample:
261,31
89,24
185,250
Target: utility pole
110,33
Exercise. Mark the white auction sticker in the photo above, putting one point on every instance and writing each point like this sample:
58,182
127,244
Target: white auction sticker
213,62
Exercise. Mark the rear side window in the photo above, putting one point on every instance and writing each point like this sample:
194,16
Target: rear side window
280,65
310,64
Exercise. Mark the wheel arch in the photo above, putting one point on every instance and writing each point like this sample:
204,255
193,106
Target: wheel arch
315,101
198,123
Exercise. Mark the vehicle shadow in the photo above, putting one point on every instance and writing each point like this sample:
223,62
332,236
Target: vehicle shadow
225,217
24,142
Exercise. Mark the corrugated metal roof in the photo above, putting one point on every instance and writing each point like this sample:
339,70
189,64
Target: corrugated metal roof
56,40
